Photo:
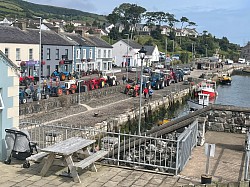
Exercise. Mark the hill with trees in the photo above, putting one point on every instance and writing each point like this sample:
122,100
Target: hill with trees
129,15
22,9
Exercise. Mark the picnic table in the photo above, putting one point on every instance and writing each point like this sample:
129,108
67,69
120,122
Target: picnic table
66,149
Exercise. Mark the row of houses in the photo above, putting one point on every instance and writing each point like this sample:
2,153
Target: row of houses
142,29
67,51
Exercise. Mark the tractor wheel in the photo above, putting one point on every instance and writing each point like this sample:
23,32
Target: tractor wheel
24,100
168,82
157,86
59,92
46,96
162,85
62,77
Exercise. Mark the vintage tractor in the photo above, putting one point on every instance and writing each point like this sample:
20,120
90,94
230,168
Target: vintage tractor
70,87
28,95
157,80
62,75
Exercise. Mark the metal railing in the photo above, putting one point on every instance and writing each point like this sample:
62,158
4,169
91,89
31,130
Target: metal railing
168,153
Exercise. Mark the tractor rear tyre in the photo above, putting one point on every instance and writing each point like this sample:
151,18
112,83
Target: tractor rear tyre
157,86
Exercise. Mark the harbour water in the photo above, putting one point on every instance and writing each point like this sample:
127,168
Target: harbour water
236,94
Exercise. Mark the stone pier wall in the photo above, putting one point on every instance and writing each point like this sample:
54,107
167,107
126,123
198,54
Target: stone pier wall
64,101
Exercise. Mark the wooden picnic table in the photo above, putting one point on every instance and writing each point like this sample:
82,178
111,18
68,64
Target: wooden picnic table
66,149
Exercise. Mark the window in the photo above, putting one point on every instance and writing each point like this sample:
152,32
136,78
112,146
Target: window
90,54
48,53
57,54
104,53
18,54
6,52
99,53
66,52
1,101
84,53
30,54
78,54
109,53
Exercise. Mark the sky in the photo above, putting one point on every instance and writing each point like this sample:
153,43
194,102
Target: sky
229,18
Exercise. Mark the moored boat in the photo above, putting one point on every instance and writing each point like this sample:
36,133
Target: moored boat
225,79
203,101
208,87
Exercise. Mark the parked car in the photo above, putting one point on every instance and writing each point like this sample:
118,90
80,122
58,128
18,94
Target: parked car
186,71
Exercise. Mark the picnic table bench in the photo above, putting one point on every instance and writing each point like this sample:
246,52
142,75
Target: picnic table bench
65,149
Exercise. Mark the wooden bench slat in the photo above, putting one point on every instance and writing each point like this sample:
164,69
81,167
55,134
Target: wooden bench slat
91,159
37,157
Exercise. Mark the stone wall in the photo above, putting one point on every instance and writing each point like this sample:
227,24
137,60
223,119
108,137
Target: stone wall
64,101
228,121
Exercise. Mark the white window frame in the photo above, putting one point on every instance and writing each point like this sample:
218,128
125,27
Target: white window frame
1,102
78,54
30,54
90,54
109,53
104,53
84,53
99,55
18,54
48,54
57,54
6,52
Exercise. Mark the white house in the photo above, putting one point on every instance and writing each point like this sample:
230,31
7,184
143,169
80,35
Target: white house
9,99
152,55
126,53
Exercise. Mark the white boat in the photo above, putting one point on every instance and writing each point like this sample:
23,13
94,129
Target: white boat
208,87
203,101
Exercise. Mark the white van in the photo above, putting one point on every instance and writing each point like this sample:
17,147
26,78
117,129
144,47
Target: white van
242,60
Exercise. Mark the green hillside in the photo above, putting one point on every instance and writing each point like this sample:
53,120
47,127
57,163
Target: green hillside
22,9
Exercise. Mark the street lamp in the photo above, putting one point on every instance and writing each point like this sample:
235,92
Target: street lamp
142,53
206,49
127,55
79,91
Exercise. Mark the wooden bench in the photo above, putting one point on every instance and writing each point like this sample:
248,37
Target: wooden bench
90,159
37,157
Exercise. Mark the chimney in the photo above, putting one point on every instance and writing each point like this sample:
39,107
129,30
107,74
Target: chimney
22,25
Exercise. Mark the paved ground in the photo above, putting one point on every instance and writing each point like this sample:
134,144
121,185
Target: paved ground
226,166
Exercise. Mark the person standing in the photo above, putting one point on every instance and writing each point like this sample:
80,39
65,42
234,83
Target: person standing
145,91
123,79
150,93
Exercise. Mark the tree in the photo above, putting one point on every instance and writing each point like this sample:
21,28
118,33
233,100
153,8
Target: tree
114,33
69,28
129,14
183,20
113,18
171,22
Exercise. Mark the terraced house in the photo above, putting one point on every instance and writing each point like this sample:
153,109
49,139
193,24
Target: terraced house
9,102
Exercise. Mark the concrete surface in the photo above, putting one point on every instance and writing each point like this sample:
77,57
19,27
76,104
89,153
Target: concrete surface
226,166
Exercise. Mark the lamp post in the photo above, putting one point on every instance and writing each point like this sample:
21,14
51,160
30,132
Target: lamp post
79,91
40,58
127,55
142,53
206,49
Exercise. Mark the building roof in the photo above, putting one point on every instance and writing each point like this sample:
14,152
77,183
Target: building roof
50,38
9,34
98,42
149,49
132,43
79,39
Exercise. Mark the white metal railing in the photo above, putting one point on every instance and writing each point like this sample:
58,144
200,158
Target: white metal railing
168,153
